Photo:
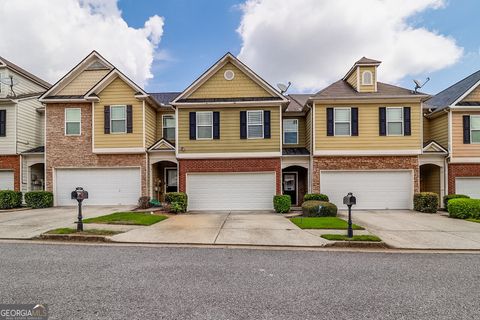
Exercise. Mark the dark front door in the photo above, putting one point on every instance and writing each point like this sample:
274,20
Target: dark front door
171,180
290,185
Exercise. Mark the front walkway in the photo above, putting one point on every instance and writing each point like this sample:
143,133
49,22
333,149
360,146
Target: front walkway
225,228
406,229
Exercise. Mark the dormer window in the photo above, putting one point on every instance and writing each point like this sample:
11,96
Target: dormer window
367,78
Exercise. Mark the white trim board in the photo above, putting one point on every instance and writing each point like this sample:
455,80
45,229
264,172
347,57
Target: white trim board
227,155
366,152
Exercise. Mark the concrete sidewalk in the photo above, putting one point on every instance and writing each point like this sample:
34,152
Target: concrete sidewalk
404,229
226,228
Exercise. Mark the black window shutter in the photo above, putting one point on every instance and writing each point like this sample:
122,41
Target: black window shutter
266,124
382,116
193,125
466,129
354,116
129,119
407,126
3,123
106,119
216,125
329,121
243,124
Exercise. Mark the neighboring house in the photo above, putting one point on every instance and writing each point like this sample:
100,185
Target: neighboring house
21,129
452,124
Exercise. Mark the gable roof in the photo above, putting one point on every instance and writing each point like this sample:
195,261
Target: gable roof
25,73
431,146
105,81
162,145
365,60
297,102
453,93
228,57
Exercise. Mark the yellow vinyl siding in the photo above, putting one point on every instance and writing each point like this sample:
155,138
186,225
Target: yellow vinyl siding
459,149
240,87
438,130
426,129
229,133
150,125
301,133
352,79
368,129
308,130
430,179
367,88
118,93
160,122
473,96
83,82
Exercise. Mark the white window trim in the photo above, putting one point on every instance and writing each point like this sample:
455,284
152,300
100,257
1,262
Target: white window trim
363,78
80,122
262,124
386,122
163,124
197,125
471,136
111,119
349,122
285,131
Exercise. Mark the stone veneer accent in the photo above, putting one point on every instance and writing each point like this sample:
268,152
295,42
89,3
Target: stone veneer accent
461,170
12,163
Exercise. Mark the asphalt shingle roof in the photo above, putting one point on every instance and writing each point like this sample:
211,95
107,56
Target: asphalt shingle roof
25,73
297,102
164,97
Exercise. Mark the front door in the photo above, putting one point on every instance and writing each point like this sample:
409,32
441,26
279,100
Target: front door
171,180
290,185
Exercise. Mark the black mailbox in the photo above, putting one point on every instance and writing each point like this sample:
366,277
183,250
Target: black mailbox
349,199
79,194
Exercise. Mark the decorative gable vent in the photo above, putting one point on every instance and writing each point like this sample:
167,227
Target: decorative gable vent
97,65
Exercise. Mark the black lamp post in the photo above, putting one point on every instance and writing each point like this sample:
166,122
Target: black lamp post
349,200
79,194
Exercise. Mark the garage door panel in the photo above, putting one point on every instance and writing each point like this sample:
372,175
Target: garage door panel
373,189
231,191
105,186
6,180
468,186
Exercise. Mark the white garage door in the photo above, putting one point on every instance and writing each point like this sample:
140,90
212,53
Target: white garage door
6,180
105,186
468,186
373,189
231,191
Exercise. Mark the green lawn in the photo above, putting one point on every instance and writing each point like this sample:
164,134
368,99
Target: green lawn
474,220
322,223
97,232
130,218
342,237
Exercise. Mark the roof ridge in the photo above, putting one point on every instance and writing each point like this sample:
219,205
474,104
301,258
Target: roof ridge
24,72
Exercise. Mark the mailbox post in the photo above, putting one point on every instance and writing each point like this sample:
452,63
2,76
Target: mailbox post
349,200
79,194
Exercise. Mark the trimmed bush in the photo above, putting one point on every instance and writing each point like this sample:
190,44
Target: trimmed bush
449,197
282,203
10,199
315,208
315,196
144,202
425,202
178,201
39,199
464,208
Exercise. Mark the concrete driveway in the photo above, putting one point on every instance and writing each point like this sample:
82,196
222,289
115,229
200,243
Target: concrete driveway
414,230
227,228
28,224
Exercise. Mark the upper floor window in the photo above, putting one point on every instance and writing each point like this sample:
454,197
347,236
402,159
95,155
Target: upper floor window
342,121
367,77
118,119
3,123
205,125
73,121
475,129
168,122
395,121
255,124
290,131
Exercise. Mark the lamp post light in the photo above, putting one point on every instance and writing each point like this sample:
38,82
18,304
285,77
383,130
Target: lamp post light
349,200
79,194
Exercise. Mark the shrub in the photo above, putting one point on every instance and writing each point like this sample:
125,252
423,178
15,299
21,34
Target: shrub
315,208
10,199
315,196
425,202
282,203
449,197
144,202
39,199
178,198
464,208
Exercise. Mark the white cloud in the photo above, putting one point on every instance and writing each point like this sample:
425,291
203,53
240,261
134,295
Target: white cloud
49,37
313,43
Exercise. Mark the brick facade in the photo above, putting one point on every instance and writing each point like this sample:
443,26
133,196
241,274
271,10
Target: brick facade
12,163
76,151
229,165
461,170
364,163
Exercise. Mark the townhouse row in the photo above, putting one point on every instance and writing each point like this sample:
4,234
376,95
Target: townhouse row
231,140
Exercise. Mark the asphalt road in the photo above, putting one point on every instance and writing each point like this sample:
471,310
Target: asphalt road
122,282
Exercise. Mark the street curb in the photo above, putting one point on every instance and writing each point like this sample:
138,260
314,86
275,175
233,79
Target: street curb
74,237
358,244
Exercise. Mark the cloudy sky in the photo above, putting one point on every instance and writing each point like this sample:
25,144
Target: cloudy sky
164,45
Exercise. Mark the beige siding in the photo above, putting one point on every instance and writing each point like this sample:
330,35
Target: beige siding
430,178
29,125
229,133
118,93
150,125
301,133
22,84
368,88
368,123
352,79
459,149
426,129
438,130
160,122
83,82
473,96
241,86
7,143
308,130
